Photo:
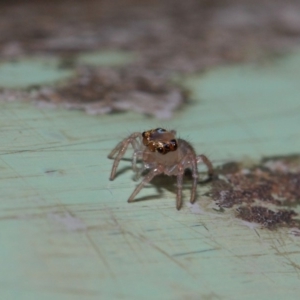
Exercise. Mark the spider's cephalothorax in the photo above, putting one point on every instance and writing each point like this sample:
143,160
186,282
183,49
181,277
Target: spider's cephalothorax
159,140
161,153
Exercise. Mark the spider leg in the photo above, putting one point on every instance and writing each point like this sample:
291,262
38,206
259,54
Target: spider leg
138,171
122,147
130,139
115,150
209,166
146,179
179,186
195,179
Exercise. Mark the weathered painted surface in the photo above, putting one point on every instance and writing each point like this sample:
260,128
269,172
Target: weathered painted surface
67,232
106,58
32,72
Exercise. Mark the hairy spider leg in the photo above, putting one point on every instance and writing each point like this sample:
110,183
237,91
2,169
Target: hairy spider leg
207,162
190,161
147,179
195,179
179,186
138,154
122,147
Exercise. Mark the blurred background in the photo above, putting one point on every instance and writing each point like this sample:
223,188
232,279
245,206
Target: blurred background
77,77
161,39
168,35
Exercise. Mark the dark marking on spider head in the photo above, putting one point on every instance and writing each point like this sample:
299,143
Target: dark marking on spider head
160,140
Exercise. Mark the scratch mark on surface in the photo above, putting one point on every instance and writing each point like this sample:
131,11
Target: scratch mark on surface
257,233
290,262
170,257
100,255
54,172
8,152
218,245
124,234
194,252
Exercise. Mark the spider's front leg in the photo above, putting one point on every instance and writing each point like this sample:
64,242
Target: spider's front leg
121,149
195,179
158,170
179,186
188,161
138,154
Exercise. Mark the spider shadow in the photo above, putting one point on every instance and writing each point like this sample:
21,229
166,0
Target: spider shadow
160,183
163,182
122,171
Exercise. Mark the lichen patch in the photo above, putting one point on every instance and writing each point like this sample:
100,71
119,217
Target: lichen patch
267,193
104,90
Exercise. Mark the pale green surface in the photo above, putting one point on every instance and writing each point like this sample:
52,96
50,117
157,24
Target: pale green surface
67,232
31,71
106,58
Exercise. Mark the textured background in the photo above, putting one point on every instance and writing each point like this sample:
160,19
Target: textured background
67,232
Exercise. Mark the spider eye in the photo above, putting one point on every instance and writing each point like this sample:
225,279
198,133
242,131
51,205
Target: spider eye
173,145
160,150
160,130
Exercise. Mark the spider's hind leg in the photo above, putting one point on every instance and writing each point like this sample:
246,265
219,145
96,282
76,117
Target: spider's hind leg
210,169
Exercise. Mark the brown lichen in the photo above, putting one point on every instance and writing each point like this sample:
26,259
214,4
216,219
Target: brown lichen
263,193
267,217
104,90
176,35
168,36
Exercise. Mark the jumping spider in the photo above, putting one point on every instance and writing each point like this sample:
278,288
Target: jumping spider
161,152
